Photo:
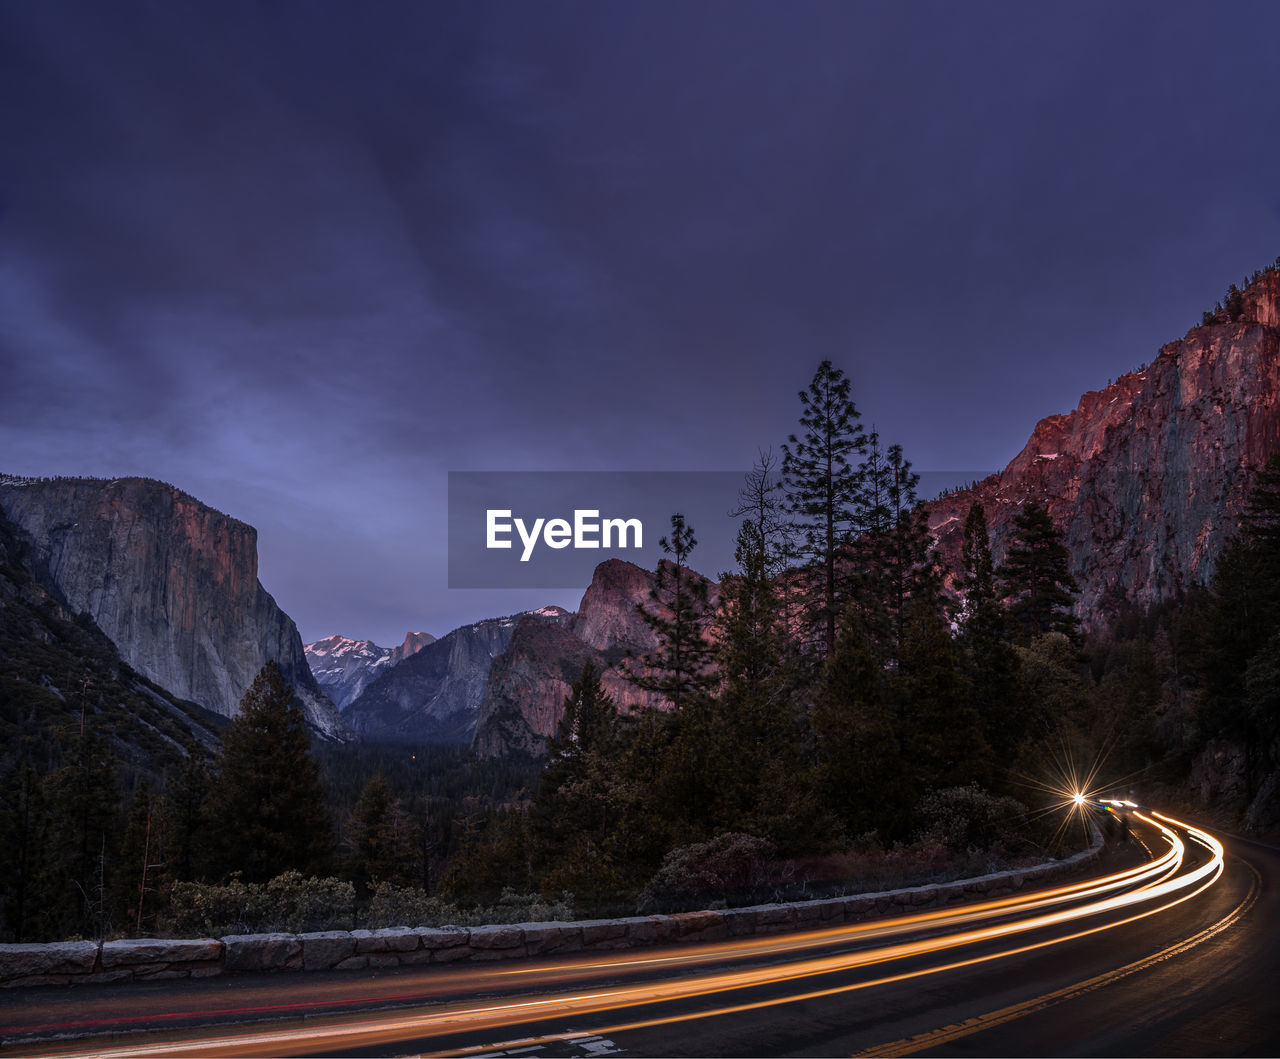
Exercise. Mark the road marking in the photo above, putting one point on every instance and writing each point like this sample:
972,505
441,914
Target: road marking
588,1046
924,1041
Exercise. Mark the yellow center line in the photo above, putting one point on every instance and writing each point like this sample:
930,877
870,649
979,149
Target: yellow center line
924,1041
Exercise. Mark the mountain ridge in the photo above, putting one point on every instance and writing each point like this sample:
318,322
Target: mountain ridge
171,581
1147,476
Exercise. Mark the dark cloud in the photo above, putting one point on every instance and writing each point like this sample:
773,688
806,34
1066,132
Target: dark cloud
305,258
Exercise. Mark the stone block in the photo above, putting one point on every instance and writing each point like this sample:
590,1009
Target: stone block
325,949
740,922
550,937
667,927
496,937
452,955
387,939
701,925
603,933
262,952
28,961
134,952
641,930
442,937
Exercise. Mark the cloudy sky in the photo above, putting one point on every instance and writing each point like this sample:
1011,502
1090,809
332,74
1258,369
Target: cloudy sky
304,259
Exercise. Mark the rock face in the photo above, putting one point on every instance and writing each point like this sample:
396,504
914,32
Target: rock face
172,582
608,619
413,643
524,700
524,696
57,667
1145,477
434,695
344,668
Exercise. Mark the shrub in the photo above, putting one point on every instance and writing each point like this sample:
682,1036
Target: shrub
289,902
730,868
971,820
403,906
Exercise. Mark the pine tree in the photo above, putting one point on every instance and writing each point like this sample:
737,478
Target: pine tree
381,837
1036,579
185,821
980,609
754,733
823,495
140,865
751,635
894,563
81,825
913,573
859,770
1241,626
267,811
874,550
21,812
579,788
588,729
940,727
984,636
676,613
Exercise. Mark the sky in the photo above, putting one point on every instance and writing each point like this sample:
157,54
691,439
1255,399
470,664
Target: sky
304,259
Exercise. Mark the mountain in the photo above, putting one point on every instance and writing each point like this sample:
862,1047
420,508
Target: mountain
433,695
344,668
412,644
170,581
608,618
60,674
1147,477
524,699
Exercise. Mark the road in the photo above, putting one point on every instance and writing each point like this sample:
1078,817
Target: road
1171,954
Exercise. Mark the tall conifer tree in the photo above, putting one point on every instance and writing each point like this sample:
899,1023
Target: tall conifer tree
984,635
860,772
821,480
1036,577
677,613
1242,632
267,811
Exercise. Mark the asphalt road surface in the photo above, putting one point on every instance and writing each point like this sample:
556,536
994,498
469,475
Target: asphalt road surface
1173,952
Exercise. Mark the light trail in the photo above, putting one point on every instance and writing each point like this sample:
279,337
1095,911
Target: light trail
1153,882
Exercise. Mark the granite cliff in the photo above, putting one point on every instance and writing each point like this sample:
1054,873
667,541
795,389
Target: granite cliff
60,673
434,695
524,699
1146,478
172,582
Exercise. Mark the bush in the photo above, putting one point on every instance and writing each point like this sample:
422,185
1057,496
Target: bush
526,908
970,820
289,902
405,906
402,906
729,869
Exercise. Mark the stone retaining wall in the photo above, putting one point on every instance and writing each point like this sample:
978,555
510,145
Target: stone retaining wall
140,959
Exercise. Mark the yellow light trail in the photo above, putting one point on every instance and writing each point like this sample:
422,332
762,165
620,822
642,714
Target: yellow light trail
1121,890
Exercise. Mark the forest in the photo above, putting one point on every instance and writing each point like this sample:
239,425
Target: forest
849,715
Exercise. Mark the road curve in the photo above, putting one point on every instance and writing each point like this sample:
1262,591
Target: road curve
1167,956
